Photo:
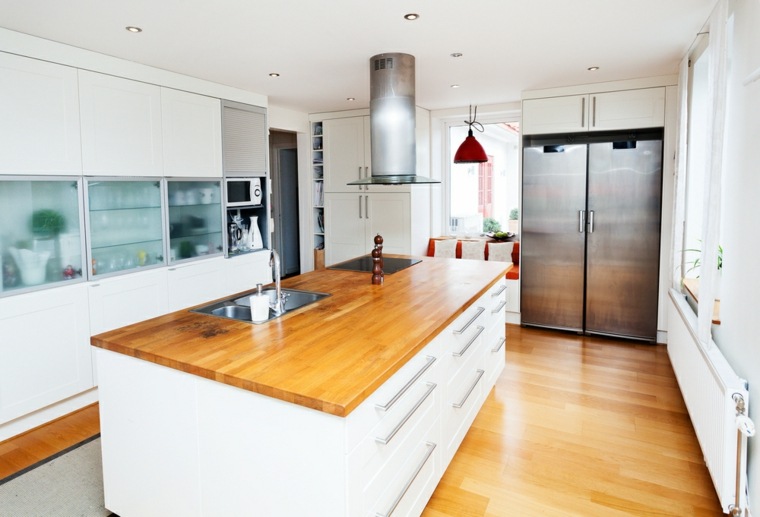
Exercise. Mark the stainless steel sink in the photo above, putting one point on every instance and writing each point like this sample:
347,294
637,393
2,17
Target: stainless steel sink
239,308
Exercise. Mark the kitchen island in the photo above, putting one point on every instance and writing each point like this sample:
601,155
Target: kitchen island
353,405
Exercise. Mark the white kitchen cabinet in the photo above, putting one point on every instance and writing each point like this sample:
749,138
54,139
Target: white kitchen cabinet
192,134
123,300
353,220
45,349
346,153
121,126
245,139
624,109
243,272
195,283
39,126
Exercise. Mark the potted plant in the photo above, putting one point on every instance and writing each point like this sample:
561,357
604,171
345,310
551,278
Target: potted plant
514,224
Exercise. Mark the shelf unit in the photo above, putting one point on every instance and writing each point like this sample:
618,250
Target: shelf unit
318,201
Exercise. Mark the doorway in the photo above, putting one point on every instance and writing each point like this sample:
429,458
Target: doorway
284,170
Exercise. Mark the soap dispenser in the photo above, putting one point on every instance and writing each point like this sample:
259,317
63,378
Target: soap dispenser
260,305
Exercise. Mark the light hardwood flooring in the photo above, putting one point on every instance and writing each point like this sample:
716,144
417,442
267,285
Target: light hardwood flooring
576,426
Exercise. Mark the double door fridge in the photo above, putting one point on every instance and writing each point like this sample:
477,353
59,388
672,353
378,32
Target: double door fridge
590,238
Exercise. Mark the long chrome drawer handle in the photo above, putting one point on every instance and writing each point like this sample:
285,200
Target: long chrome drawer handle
462,351
472,320
460,404
431,447
387,439
499,308
498,347
389,404
497,293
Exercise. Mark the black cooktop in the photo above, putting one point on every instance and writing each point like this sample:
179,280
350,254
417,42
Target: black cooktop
390,264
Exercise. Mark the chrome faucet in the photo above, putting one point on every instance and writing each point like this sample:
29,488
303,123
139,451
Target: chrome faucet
274,262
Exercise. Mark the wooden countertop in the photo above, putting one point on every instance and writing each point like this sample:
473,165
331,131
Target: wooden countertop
328,356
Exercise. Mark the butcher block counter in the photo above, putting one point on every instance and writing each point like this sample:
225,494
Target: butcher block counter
353,405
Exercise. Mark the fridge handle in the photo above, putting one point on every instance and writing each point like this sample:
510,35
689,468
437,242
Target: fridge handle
590,221
581,220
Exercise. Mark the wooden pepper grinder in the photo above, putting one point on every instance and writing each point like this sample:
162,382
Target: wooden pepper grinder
377,261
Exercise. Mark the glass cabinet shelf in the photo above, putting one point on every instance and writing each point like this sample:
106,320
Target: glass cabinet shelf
195,219
41,232
125,225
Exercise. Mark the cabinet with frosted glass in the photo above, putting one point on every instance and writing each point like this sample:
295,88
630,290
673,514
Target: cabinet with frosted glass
41,232
195,219
125,223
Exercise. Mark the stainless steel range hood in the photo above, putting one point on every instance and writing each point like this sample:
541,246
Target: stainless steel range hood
392,121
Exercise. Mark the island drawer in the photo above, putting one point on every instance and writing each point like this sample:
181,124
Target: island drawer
385,479
390,403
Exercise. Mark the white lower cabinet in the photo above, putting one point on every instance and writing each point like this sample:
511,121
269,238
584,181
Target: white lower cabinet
200,447
195,283
123,300
44,350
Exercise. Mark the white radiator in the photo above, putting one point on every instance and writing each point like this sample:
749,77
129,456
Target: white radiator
712,391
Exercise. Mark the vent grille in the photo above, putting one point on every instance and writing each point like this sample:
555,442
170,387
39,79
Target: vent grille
384,63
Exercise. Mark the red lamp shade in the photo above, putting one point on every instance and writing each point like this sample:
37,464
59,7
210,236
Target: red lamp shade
470,151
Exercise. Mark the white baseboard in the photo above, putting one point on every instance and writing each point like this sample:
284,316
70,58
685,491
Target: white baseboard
47,414
513,317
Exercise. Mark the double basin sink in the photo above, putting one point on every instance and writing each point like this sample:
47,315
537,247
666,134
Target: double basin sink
239,308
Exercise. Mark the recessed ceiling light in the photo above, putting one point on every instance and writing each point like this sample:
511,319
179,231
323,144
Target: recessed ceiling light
274,74
411,16
132,28
592,68
350,99
456,54
454,86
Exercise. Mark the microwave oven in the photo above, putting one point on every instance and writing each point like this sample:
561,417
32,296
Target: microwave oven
244,192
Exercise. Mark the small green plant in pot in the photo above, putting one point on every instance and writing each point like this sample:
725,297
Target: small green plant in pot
491,225
47,223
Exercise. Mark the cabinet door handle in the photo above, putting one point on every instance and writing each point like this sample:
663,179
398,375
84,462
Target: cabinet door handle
499,308
389,404
458,405
470,342
593,111
360,207
583,112
498,347
431,447
366,207
581,220
497,293
387,439
472,320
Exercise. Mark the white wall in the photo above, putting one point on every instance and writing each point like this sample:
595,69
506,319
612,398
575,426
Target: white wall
738,335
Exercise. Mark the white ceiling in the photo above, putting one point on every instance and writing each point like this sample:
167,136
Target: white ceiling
322,49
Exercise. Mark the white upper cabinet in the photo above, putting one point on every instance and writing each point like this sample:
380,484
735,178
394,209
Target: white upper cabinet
346,153
244,139
192,134
39,126
625,109
121,126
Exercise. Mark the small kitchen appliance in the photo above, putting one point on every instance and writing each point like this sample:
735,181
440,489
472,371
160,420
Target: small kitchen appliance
243,192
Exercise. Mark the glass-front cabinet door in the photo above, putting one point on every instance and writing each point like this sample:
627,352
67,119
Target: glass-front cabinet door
126,225
41,232
195,219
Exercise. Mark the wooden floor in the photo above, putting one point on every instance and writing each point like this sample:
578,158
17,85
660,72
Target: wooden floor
574,427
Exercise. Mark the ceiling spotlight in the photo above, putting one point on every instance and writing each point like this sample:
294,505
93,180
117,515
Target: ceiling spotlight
411,16
456,54
350,99
134,29
454,86
274,74
592,68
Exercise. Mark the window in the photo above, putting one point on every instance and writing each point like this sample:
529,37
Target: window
482,196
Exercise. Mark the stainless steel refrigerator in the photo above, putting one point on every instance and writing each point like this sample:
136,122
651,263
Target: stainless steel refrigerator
590,238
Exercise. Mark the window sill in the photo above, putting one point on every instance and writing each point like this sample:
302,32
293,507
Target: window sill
691,285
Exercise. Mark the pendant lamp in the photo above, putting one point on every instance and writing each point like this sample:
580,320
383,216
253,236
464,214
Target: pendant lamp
471,151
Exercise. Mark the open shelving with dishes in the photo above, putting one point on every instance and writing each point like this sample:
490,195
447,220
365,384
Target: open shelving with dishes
247,225
318,202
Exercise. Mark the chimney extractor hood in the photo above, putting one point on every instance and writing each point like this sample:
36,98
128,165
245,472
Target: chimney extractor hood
392,121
